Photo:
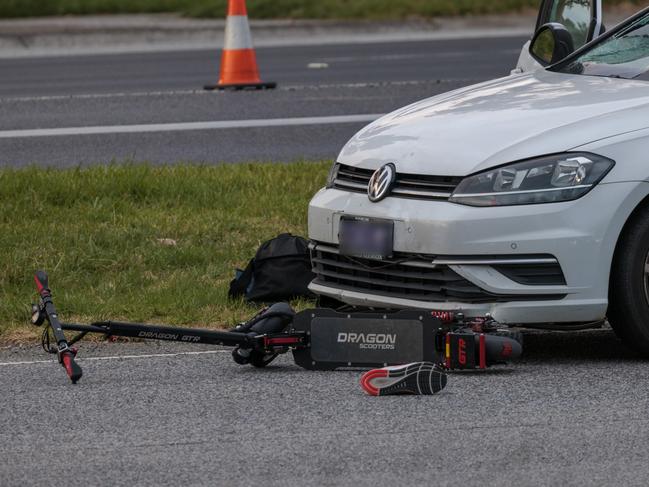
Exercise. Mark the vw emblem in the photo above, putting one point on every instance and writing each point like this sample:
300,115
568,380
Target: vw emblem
381,182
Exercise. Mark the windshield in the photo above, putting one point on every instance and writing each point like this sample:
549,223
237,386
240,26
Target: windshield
624,54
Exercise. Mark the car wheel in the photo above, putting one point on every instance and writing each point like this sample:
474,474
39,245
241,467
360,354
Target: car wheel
628,311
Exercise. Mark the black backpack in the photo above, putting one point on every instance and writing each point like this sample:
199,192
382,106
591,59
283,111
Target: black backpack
281,270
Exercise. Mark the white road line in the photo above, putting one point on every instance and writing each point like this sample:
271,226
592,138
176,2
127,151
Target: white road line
401,57
118,357
186,126
93,96
303,87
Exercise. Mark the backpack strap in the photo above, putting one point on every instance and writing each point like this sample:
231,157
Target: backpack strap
242,281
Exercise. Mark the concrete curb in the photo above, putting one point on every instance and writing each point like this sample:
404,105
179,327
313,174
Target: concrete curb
58,36
112,34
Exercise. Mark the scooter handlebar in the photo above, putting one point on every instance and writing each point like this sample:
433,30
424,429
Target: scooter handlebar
42,282
501,349
465,349
71,367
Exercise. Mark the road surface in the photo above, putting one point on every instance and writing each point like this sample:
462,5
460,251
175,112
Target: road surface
574,412
156,96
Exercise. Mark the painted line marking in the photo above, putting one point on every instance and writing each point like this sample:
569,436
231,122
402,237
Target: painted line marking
287,87
118,357
187,126
402,57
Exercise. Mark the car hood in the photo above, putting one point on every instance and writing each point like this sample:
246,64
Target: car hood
509,119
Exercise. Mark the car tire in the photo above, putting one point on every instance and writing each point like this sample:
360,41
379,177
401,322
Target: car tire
628,311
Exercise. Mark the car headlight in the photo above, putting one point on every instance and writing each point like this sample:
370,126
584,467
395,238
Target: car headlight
548,179
333,174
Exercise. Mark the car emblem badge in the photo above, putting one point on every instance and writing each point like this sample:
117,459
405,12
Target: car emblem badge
381,182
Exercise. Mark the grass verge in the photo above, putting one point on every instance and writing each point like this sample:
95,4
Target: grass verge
315,9
142,243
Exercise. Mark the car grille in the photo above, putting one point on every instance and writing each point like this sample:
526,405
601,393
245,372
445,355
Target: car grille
534,275
402,277
418,186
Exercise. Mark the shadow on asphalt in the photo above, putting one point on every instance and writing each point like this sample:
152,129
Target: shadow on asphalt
592,345
494,372
546,346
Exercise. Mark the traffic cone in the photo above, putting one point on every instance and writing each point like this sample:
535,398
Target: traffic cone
239,63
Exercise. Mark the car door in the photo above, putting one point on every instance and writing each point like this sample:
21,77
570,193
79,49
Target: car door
582,19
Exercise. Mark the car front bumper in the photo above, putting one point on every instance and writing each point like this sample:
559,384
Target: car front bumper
581,236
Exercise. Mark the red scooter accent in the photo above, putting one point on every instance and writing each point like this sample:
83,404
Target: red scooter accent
67,360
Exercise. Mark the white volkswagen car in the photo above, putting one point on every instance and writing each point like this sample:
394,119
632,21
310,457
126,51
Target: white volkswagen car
525,197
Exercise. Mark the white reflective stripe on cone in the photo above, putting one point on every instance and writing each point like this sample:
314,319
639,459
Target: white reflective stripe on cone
237,33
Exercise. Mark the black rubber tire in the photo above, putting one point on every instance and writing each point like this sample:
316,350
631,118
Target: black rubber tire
261,360
628,311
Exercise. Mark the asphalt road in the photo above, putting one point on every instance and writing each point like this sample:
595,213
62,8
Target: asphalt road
573,412
113,91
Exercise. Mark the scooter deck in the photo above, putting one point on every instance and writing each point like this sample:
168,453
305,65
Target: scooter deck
365,339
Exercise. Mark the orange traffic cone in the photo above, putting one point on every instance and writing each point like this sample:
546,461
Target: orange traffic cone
239,62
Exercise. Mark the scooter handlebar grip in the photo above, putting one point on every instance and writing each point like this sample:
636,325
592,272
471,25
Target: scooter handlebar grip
502,349
71,367
42,282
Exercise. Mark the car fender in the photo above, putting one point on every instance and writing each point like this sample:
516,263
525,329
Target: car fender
638,194
628,150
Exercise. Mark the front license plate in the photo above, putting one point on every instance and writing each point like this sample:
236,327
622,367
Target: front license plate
367,238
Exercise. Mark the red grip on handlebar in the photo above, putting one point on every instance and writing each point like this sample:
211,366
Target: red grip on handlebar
71,367
41,280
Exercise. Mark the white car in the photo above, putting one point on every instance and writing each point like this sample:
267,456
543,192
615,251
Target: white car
525,197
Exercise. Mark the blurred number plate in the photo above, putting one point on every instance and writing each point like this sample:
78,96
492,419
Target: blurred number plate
367,238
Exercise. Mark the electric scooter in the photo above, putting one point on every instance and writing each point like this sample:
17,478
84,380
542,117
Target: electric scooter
319,339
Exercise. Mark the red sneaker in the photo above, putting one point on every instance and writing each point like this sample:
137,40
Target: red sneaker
421,378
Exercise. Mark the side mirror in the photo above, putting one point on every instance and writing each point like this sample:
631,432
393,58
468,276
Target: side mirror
551,43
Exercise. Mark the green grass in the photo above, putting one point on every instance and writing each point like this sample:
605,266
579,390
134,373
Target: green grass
98,233
270,9
320,9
